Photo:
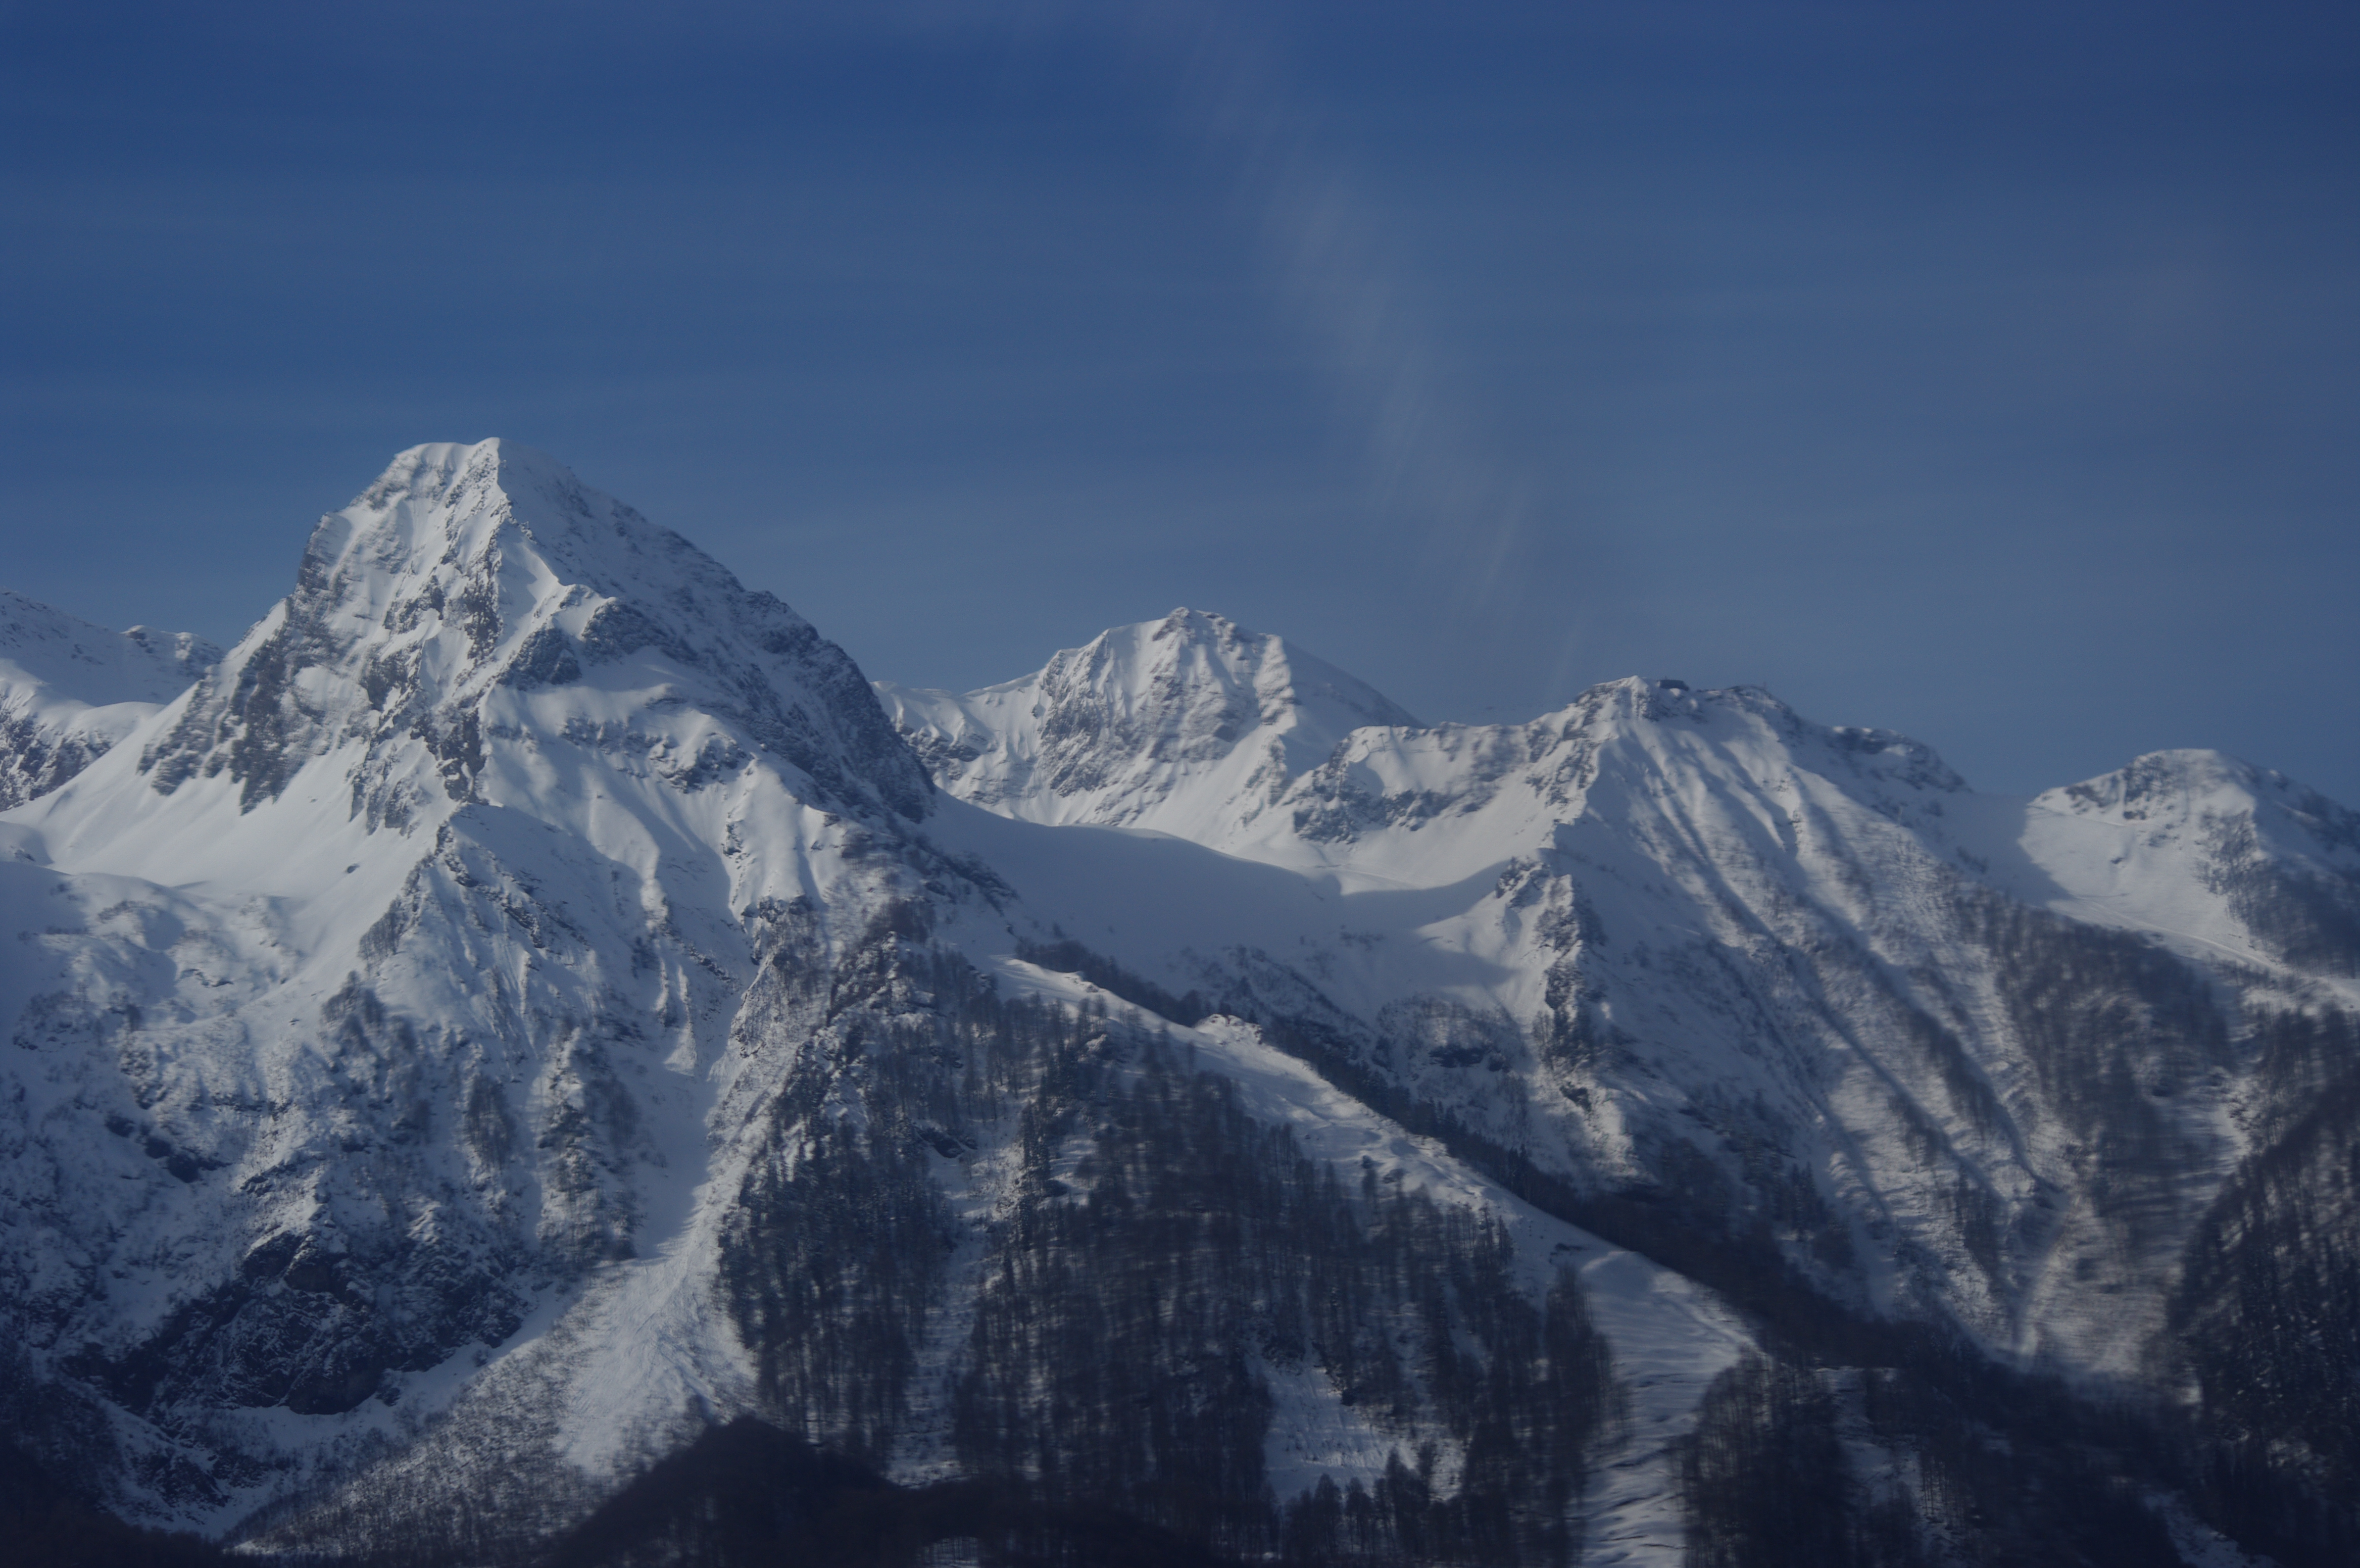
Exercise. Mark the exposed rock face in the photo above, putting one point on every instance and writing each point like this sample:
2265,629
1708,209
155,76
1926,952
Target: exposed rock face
526,1019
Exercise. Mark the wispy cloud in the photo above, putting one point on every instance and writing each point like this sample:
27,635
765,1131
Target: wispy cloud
1348,289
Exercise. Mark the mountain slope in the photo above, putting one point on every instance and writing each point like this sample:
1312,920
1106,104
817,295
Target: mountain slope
69,690
1791,1005
526,1015
390,988
518,1009
1941,1053
2232,859
1189,726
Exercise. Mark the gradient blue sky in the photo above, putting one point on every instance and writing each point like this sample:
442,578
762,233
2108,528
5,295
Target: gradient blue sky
1988,371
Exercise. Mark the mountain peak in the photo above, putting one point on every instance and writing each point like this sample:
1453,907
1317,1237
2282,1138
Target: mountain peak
1152,725
1187,628
2243,858
2161,781
445,504
2165,792
1143,668
464,571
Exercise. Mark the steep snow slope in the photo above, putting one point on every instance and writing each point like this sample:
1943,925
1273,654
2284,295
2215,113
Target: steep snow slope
2233,862
69,690
387,989
1191,725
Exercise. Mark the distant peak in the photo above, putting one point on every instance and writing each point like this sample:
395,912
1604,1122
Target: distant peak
1207,646
2162,782
77,661
1158,723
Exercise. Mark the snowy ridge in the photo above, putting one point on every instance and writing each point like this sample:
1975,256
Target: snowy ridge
69,690
1191,725
1664,926
528,1003
481,1077
469,577
2229,859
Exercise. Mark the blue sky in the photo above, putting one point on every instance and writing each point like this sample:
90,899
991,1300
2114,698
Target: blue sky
1985,371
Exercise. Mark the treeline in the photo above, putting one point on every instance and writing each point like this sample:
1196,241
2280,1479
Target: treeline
1163,1264
1126,1321
44,1524
2271,1457
1766,1481
1164,1257
750,1495
2267,1321
1763,1478
2116,1030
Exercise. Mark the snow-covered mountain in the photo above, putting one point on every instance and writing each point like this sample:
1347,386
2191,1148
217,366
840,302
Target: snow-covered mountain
1995,1060
2231,862
389,984
444,1042
1785,976
1190,725
528,1012
69,690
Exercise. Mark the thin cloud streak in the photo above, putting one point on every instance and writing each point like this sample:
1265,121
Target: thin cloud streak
1341,278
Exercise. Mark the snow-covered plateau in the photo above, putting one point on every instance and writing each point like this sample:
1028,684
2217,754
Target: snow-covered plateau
531,1057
